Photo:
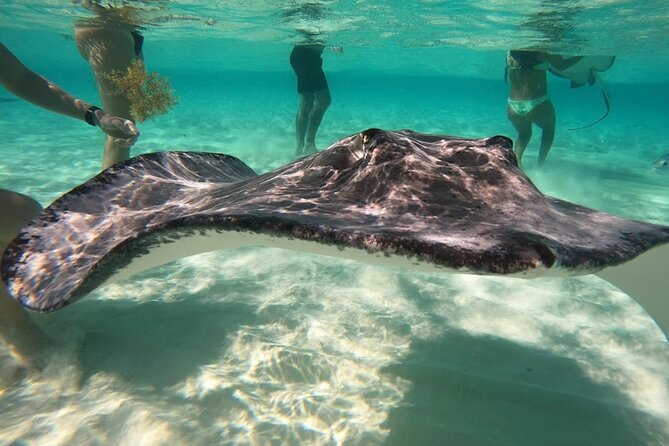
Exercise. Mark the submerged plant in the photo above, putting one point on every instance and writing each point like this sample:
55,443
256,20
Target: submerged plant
149,94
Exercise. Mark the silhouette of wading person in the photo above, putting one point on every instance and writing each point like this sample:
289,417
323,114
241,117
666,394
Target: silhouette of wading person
312,86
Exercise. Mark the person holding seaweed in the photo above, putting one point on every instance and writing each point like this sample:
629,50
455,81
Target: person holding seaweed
112,44
108,44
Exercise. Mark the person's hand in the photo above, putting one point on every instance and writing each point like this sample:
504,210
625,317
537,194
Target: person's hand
122,130
336,49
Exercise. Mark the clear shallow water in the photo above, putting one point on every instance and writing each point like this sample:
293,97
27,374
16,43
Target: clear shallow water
262,346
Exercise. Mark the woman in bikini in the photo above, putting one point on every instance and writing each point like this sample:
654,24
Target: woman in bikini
529,102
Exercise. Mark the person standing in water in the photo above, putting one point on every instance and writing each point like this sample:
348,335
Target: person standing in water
110,44
312,86
528,101
17,330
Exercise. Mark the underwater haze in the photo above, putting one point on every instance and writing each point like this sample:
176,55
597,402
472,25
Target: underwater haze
262,346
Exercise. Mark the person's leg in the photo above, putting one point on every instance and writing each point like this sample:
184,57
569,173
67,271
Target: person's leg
524,129
24,339
544,117
302,119
108,49
322,101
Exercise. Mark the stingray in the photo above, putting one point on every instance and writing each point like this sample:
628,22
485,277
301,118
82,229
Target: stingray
394,198
662,162
585,71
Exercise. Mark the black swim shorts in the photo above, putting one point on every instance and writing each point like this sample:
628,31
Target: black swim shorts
307,64
139,41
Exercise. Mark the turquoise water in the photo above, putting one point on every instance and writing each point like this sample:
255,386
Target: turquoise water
263,346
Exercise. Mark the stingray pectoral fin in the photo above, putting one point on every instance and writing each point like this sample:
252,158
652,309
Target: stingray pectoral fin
646,279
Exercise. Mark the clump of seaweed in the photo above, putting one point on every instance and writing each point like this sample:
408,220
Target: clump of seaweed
149,94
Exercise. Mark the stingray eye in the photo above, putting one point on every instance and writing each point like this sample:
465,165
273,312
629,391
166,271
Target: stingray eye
370,133
369,138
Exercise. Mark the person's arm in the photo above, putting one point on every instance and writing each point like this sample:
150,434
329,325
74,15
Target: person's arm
28,85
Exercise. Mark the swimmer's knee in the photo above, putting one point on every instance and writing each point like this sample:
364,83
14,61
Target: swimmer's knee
20,210
322,104
325,99
18,203
319,109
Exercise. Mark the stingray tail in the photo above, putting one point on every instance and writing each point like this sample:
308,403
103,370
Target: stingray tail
607,102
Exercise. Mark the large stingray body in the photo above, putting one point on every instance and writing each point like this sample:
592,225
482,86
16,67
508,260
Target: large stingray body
395,198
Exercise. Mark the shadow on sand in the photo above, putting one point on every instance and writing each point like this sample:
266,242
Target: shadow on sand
488,391
156,344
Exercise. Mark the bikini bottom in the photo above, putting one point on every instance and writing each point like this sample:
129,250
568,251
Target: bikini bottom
523,107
